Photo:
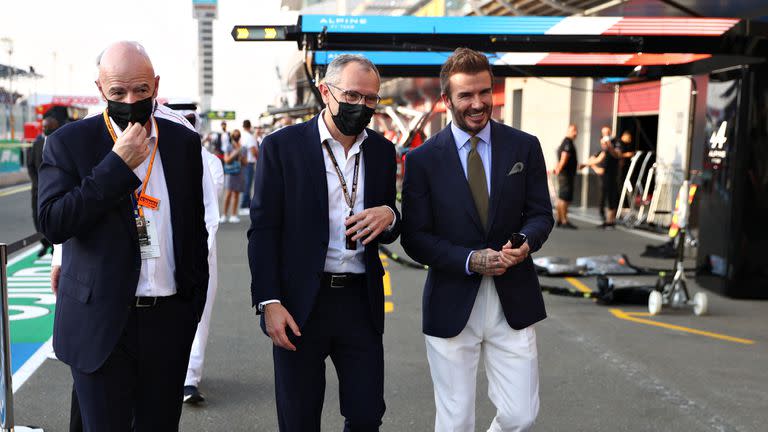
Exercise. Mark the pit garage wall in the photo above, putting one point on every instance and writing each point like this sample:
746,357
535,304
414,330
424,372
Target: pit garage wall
549,105
674,106
546,111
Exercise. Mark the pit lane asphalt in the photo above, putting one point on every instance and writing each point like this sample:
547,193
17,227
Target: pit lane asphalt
598,372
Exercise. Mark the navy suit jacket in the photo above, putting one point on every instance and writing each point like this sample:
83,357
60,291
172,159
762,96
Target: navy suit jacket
441,226
84,193
288,238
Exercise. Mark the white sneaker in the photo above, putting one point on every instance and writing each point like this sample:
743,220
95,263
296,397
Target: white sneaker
223,219
234,219
244,212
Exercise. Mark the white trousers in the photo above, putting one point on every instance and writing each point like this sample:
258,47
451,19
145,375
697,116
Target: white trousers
511,363
197,355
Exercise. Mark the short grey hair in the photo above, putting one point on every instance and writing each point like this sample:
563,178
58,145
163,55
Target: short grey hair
333,72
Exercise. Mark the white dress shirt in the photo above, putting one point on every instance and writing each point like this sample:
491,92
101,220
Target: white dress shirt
157,274
461,138
213,181
339,259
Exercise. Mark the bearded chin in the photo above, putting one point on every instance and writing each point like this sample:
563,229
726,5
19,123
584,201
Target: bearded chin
461,121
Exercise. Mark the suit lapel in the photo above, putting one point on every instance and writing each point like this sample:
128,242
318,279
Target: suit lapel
313,157
455,178
370,175
501,154
125,203
170,162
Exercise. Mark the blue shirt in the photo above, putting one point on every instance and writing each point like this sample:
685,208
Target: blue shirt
463,146
461,138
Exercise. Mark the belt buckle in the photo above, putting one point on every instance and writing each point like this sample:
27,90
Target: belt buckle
340,278
139,304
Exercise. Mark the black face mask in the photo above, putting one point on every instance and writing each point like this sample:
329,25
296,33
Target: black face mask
48,131
123,113
351,118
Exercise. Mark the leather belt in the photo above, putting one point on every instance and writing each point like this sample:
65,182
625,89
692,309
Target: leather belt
148,302
341,280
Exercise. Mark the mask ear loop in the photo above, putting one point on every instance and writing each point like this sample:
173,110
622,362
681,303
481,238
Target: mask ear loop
334,98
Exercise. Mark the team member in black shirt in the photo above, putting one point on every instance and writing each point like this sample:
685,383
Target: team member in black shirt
566,175
607,164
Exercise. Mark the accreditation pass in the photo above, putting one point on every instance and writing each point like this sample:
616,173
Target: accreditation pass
149,246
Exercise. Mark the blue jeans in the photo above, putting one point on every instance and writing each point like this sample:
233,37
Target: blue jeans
245,201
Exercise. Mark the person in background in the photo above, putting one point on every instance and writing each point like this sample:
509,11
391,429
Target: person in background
251,146
566,176
213,184
34,160
625,151
225,140
606,165
234,178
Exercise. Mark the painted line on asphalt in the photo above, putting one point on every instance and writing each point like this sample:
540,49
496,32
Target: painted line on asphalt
389,306
15,189
634,317
32,364
36,359
578,285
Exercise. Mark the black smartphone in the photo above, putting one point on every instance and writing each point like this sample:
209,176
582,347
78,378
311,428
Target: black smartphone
517,240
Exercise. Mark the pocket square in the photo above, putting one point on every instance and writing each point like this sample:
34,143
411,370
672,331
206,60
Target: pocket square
516,168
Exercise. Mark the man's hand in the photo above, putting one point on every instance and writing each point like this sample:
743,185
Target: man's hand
511,257
133,146
369,223
55,275
487,262
276,319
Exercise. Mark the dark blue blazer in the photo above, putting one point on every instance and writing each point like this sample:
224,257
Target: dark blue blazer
84,193
288,238
441,226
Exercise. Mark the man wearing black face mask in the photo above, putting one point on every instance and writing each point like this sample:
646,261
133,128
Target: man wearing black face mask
34,160
123,192
324,199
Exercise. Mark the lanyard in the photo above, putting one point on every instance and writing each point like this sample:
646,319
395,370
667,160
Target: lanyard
138,198
350,199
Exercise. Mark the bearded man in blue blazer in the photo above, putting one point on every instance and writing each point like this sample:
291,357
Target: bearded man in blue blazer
467,191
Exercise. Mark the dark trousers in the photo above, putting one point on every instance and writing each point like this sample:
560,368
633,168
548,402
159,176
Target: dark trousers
339,327
245,201
75,419
142,381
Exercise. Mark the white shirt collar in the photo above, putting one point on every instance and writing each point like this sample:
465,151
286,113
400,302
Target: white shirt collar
461,137
325,134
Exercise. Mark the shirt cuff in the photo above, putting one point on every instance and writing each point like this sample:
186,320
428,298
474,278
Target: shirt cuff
394,218
56,258
466,265
264,304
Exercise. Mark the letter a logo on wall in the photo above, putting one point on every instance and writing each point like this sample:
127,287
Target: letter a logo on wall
718,138
717,152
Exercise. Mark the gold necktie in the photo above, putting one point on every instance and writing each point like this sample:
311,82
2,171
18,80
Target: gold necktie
477,183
